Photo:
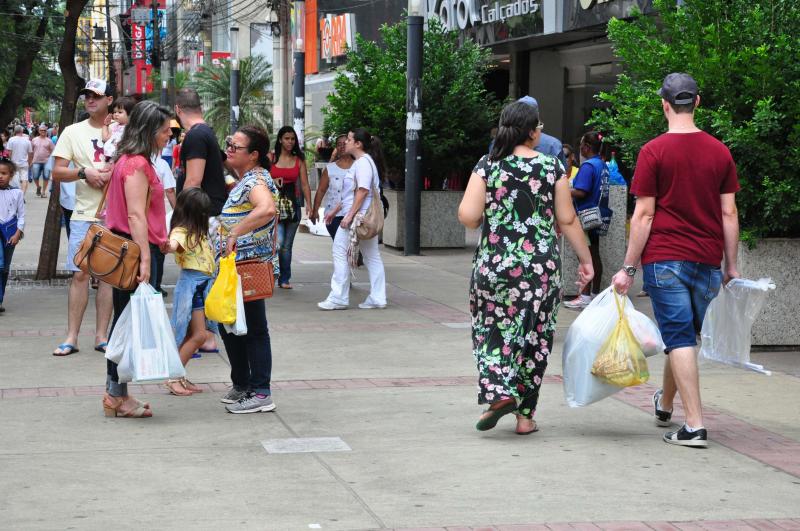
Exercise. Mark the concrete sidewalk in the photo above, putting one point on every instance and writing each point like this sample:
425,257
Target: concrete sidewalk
394,392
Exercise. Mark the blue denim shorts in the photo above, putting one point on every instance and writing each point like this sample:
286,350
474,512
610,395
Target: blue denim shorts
199,297
680,292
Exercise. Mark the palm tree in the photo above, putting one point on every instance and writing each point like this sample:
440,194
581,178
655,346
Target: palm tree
255,95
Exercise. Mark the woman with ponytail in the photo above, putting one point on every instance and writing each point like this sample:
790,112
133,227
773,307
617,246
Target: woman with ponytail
357,186
519,196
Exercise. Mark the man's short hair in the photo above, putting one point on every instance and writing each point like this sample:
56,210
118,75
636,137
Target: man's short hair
188,100
18,129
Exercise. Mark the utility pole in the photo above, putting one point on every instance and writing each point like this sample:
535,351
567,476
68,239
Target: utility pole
299,82
234,79
112,71
413,127
155,56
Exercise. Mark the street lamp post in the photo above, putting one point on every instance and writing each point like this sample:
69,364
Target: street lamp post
164,98
413,181
234,79
299,84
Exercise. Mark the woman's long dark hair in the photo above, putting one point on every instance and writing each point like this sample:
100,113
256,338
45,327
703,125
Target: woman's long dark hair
296,150
192,208
517,121
373,147
259,141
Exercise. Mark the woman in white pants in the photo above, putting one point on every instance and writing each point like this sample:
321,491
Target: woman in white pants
356,197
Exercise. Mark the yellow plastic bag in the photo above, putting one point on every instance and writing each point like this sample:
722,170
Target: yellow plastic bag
221,300
621,361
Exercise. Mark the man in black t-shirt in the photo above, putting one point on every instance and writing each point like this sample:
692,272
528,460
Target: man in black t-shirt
201,158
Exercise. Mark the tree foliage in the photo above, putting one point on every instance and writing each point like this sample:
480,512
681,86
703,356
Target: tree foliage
457,110
255,101
744,56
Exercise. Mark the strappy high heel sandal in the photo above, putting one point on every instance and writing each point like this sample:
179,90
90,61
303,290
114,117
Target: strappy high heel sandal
177,387
112,407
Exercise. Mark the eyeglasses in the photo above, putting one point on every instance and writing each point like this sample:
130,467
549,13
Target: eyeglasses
230,146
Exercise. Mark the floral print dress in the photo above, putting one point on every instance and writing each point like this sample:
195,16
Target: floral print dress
516,283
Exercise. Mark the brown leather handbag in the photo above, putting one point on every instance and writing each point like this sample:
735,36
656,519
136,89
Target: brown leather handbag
108,257
258,276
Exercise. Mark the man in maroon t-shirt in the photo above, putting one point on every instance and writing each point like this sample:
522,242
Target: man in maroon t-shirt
685,220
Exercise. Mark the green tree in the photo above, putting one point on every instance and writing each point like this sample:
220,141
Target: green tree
255,101
457,113
744,56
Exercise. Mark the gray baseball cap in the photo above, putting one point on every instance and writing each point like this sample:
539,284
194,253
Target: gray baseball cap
679,88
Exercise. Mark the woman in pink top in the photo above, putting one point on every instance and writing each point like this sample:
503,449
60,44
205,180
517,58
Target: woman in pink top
135,209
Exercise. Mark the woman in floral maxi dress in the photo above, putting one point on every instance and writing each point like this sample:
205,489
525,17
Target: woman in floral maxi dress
519,195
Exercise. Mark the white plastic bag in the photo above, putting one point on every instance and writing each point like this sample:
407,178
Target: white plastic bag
152,353
239,327
120,337
586,336
729,319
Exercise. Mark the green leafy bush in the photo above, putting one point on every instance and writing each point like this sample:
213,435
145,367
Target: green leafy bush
457,114
744,56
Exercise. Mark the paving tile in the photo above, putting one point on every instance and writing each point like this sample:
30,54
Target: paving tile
530,527
763,524
791,525
623,526
662,526
733,525
31,392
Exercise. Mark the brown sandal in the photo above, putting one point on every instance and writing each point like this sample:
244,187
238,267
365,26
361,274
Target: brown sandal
189,386
112,407
535,428
177,388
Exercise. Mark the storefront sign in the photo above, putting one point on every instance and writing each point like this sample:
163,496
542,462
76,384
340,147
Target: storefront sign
462,14
581,14
337,35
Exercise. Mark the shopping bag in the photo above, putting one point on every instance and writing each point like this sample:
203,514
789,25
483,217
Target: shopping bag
221,300
152,353
120,336
239,327
729,319
586,336
620,361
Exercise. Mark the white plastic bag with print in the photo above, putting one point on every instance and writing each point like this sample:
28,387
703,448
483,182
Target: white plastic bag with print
153,353
119,341
729,319
239,327
586,336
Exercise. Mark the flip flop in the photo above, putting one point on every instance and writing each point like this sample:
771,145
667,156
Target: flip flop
101,347
208,350
535,429
286,286
490,422
71,349
196,355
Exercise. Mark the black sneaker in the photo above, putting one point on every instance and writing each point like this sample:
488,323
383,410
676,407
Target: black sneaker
663,418
697,439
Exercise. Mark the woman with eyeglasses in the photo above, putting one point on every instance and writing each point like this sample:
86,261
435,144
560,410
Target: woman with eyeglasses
247,225
289,172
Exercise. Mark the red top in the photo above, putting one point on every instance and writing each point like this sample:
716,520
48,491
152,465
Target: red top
176,156
686,173
289,175
117,206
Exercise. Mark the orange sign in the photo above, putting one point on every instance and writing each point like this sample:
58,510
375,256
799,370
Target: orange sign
338,34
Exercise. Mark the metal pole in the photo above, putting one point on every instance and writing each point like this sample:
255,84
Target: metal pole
234,45
413,181
299,82
112,71
155,56
234,95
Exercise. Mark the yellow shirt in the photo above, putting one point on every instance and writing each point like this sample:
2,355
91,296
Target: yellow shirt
199,258
82,145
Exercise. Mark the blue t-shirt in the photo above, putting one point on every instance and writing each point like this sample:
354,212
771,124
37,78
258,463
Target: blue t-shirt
590,180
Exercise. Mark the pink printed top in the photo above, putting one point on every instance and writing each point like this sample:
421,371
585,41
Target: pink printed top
117,206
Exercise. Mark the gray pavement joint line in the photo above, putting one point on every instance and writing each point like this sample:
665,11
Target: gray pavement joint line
338,478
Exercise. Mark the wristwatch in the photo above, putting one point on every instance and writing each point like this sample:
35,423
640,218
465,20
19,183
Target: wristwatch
629,270
82,173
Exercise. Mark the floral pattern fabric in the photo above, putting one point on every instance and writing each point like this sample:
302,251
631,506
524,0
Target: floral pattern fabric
516,282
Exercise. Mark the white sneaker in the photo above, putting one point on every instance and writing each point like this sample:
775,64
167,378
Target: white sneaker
578,303
367,305
328,305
